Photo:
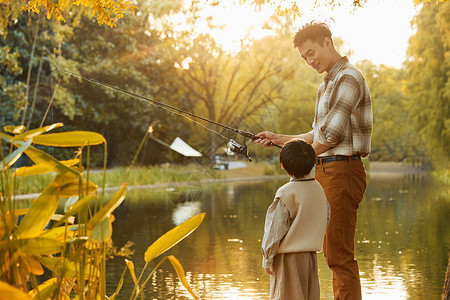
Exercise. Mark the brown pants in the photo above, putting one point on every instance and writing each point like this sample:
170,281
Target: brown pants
295,277
344,183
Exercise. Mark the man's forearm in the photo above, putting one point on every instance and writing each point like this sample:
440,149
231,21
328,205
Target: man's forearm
319,148
282,139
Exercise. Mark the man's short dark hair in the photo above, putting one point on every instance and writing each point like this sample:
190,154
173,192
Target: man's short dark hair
314,31
298,158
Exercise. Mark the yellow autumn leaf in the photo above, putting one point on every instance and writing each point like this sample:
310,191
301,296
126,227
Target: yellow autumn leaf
173,237
10,292
73,188
20,211
66,267
6,137
103,231
14,129
180,272
41,158
31,264
40,213
44,290
58,233
35,246
130,266
35,132
14,156
75,208
109,207
41,169
70,139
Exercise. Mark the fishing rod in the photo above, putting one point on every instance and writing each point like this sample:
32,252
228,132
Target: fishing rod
232,145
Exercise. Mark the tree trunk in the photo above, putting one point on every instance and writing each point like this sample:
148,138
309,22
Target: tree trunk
33,104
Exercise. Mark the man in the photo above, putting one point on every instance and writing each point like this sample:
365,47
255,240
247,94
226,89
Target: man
341,135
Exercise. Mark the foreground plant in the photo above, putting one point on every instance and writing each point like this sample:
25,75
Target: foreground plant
71,245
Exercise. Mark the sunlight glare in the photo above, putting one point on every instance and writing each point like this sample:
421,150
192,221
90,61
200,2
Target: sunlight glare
379,31
234,24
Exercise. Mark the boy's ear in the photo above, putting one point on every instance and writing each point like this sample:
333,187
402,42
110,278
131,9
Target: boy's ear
281,164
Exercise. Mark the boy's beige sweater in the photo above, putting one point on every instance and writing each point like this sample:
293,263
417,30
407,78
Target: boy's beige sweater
308,207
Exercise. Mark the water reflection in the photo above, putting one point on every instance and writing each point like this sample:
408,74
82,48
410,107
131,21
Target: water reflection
402,240
185,211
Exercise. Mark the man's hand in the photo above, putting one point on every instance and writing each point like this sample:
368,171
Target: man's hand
265,139
268,139
269,271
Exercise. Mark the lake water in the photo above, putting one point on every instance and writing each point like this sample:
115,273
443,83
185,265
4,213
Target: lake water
402,239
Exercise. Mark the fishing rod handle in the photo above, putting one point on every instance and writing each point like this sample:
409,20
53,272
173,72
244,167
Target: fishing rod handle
254,137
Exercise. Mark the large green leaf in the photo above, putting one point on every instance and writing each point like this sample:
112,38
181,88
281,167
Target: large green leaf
41,158
70,139
40,213
109,207
41,169
180,272
35,132
173,237
14,156
11,292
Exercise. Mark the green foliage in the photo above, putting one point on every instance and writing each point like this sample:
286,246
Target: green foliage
12,91
428,84
393,136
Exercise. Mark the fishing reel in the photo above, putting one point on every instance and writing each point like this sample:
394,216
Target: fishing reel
234,148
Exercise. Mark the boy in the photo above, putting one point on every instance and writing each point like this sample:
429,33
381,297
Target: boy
295,226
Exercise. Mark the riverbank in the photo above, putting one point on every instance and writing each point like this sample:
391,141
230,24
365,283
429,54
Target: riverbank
374,169
251,172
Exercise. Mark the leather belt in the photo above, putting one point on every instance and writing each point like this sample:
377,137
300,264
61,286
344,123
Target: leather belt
324,159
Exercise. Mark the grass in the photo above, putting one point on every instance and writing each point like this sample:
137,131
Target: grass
136,176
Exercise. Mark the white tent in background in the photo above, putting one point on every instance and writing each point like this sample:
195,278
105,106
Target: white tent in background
181,147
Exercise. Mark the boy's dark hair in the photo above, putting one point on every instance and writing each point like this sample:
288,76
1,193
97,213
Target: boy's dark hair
314,31
298,158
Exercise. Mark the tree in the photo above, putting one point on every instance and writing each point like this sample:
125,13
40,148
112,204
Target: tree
12,92
32,43
228,88
428,69
128,57
390,109
106,12
124,57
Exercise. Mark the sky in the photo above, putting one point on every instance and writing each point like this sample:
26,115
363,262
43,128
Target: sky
379,31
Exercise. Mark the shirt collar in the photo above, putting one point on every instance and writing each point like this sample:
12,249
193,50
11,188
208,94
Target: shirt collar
306,177
336,68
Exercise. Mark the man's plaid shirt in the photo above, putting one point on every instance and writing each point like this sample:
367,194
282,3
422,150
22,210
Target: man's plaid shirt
343,118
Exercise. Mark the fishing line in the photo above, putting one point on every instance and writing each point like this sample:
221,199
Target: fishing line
232,145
